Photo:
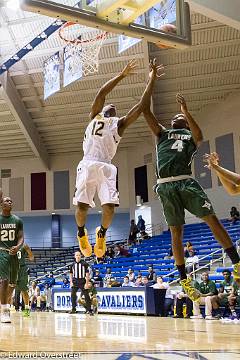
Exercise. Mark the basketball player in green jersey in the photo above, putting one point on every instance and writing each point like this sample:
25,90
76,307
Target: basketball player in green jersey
22,281
176,188
11,240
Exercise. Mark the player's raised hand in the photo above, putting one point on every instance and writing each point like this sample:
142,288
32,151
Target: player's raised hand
130,68
180,100
211,160
156,71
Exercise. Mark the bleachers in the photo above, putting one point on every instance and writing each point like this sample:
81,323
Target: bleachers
150,252
46,260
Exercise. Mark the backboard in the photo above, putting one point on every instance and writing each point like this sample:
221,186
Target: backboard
122,17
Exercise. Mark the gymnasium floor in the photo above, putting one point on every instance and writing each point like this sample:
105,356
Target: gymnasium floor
117,337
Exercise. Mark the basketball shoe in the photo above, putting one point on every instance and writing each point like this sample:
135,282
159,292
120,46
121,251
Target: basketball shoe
26,312
5,316
190,290
84,245
100,246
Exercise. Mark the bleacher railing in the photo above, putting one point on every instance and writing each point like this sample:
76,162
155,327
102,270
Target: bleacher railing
197,269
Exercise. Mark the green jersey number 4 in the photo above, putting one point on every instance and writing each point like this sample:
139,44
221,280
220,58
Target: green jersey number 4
177,145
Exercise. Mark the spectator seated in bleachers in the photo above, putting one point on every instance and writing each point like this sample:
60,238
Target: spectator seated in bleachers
151,274
234,215
131,275
224,293
188,247
168,303
121,251
97,278
170,255
109,253
234,300
192,262
49,279
207,289
138,282
93,297
145,281
127,282
108,275
65,283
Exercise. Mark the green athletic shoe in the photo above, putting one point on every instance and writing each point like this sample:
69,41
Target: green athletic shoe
26,313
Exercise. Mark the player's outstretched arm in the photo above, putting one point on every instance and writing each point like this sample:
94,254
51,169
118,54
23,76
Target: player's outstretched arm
128,119
99,100
229,179
195,129
152,122
156,71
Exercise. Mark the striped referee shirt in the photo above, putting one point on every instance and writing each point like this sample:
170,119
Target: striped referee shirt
79,269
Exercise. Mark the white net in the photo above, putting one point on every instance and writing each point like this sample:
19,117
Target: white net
84,45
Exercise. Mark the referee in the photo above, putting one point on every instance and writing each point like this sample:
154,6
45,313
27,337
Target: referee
79,277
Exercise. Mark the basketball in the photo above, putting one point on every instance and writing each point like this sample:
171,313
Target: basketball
168,28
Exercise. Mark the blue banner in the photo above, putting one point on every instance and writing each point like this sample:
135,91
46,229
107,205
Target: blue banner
31,46
51,73
72,65
114,300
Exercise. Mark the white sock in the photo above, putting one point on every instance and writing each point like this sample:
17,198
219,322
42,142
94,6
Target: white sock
4,307
27,307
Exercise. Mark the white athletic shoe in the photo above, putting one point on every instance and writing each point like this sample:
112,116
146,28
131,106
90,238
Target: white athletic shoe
196,317
210,317
5,317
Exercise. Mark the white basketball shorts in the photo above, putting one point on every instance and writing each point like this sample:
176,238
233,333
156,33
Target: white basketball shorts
96,177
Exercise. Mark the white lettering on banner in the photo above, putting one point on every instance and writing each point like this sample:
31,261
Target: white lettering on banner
109,301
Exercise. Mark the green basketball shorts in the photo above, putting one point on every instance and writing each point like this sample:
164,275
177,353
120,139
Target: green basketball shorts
176,196
22,281
9,267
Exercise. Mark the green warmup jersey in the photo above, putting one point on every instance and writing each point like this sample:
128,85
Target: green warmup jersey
206,288
236,289
22,255
175,151
9,227
227,286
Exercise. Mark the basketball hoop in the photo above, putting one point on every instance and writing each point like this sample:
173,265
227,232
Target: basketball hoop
84,45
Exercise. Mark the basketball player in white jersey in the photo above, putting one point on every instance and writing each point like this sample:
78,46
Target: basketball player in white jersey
95,173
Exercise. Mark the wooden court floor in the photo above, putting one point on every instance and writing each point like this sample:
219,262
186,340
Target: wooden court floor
53,335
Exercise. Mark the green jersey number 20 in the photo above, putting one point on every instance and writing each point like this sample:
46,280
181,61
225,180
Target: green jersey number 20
7,235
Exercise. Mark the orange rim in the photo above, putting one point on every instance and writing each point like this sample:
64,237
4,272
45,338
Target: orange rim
77,41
